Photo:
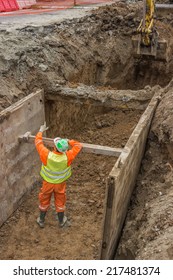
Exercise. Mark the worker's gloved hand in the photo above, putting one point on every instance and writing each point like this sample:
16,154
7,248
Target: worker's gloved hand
43,127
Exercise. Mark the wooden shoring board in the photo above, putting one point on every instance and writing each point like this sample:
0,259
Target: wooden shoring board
121,182
88,148
20,164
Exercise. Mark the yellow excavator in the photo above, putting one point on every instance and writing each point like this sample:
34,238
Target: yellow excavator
147,42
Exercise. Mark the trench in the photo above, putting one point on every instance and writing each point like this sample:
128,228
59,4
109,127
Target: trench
88,122
103,69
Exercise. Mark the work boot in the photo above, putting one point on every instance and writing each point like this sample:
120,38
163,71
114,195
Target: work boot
41,219
63,221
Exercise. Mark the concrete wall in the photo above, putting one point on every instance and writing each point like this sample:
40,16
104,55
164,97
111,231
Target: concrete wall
19,162
121,182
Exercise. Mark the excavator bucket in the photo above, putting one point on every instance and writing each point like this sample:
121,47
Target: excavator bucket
147,43
159,50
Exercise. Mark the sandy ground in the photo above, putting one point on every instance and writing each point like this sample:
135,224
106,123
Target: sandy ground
94,50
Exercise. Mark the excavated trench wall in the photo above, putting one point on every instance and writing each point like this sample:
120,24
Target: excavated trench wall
68,107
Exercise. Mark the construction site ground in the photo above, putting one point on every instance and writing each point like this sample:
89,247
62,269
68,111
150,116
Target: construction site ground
93,50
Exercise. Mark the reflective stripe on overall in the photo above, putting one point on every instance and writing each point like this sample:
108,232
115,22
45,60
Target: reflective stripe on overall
56,171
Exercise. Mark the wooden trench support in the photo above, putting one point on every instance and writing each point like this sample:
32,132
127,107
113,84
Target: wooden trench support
20,164
121,182
88,148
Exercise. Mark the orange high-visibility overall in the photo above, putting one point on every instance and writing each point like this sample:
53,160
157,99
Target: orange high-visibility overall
59,190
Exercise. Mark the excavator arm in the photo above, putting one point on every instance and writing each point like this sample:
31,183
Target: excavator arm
147,42
146,25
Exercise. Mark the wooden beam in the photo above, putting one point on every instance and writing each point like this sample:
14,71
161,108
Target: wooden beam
88,148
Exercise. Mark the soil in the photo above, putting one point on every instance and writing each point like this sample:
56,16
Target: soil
94,50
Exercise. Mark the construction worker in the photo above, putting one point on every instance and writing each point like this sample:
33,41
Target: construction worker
55,170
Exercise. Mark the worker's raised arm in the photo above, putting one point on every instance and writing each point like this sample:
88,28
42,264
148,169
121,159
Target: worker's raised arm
42,150
72,153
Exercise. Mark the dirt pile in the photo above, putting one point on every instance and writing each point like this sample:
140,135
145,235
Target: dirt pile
148,232
163,125
95,49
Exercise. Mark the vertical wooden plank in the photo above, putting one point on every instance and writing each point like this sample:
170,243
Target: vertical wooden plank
19,162
121,187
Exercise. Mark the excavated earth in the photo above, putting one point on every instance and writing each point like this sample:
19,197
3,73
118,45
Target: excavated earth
96,51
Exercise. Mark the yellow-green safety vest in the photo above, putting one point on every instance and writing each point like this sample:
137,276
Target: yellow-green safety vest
56,171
